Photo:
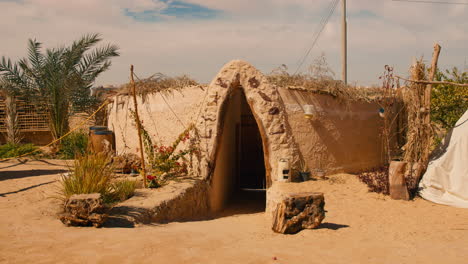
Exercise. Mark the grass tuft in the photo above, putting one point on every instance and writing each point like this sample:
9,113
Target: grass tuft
93,173
10,150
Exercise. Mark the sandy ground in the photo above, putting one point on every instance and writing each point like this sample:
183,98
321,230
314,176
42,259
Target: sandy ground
360,227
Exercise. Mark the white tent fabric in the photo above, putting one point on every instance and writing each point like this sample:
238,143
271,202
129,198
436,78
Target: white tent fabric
446,178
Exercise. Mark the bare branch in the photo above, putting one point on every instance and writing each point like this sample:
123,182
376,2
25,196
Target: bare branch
433,82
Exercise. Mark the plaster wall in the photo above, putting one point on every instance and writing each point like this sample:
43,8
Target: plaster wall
224,178
342,136
157,117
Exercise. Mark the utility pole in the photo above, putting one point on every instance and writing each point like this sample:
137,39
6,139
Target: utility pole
344,49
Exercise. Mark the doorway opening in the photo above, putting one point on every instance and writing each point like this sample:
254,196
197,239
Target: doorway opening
239,181
250,193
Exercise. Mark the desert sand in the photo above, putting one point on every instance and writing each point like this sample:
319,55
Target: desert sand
360,227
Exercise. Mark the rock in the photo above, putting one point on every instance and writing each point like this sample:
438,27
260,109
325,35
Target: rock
125,163
298,211
84,210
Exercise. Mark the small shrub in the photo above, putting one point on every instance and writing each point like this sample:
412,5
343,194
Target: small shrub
10,150
122,190
89,174
93,173
74,144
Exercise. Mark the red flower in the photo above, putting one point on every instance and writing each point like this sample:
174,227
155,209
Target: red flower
150,177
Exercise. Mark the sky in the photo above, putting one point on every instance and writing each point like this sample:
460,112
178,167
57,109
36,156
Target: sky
197,37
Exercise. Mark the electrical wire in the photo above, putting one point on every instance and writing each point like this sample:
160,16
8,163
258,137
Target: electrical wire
431,2
319,31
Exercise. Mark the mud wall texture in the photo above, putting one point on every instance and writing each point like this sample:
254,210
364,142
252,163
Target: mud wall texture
342,136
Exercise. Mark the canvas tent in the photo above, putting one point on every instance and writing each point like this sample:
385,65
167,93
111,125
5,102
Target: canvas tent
446,178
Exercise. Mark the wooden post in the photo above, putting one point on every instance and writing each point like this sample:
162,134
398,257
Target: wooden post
397,182
137,117
427,99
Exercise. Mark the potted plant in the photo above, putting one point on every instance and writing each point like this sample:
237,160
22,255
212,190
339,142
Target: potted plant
304,171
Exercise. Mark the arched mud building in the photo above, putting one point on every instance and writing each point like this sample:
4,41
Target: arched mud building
246,125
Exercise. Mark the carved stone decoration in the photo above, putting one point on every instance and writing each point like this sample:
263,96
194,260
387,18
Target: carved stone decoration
221,83
299,211
253,82
264,96
278,130
274,111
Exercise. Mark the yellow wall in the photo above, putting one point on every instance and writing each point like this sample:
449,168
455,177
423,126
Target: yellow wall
224,177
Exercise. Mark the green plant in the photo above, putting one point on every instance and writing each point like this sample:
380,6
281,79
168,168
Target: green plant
165,159
122,190
10,150
59,78
169,160
449,102
74,144
91,173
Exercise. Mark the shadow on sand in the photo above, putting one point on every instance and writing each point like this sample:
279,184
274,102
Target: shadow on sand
8,175
26,188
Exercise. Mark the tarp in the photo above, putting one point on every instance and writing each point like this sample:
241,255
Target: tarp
446,178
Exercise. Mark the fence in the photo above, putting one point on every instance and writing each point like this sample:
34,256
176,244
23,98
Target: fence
30,119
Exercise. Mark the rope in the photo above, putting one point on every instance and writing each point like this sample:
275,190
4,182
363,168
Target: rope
178,119
62,137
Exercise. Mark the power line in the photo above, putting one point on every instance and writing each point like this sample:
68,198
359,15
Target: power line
320,28
431,2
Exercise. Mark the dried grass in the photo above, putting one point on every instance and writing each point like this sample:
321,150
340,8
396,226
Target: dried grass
159,83
418,137
322,84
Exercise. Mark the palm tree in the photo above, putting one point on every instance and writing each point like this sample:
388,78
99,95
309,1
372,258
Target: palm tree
58,78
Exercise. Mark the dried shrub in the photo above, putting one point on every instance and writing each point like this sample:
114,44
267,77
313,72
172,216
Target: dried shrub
376,180
159,83
320,79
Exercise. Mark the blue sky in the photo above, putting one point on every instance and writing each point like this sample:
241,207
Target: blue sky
197,37
174,10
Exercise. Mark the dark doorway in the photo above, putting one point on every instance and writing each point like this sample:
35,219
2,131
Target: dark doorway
249,196
250,157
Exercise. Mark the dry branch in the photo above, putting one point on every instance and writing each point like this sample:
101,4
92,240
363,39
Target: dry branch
433,82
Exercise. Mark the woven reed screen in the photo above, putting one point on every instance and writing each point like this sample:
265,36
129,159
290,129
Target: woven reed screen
29,117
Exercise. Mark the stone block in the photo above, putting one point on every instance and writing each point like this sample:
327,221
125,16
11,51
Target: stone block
84,210
298,211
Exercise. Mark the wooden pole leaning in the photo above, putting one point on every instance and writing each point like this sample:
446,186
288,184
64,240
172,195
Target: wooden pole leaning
137,117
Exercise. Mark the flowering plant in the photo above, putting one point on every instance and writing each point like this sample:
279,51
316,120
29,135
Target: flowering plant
167,159
152,181
172,159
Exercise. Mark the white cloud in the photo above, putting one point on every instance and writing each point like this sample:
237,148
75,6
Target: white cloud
266,33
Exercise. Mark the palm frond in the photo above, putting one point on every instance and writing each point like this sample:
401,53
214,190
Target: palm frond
96,62
34,54
12,74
